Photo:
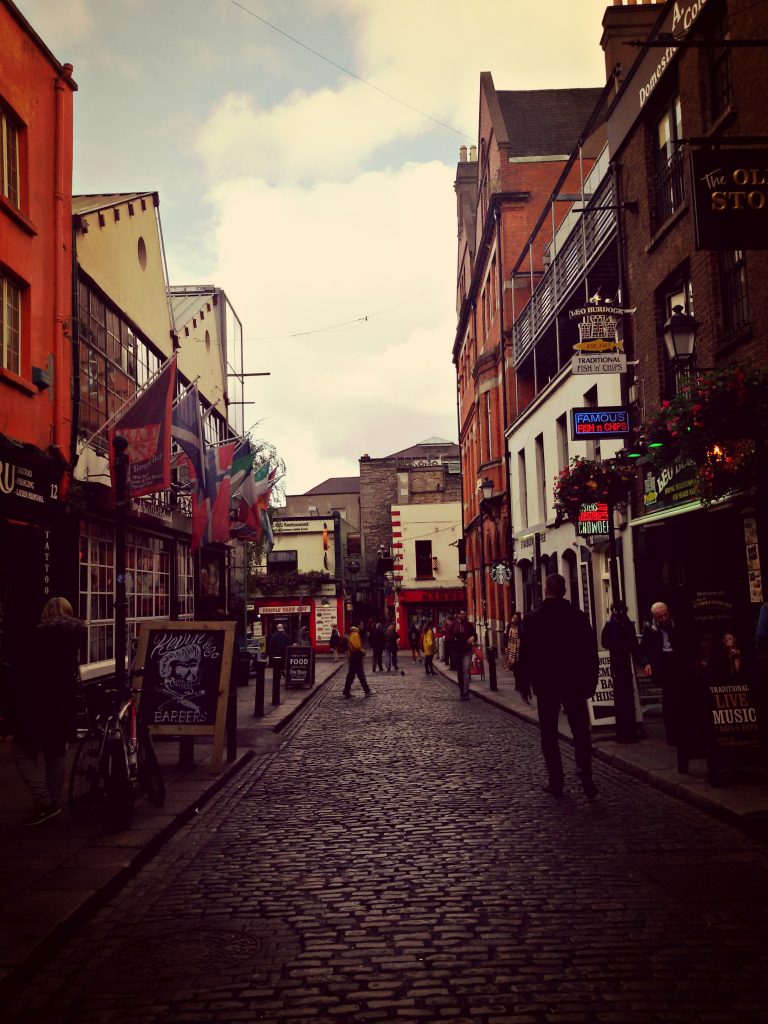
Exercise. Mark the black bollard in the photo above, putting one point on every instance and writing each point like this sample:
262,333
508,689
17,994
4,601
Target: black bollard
231,723
491,653
261,671
277,664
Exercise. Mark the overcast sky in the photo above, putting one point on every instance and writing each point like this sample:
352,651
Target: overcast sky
323,207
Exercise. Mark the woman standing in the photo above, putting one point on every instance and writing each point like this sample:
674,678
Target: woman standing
428,646
390,647
513,641
45,707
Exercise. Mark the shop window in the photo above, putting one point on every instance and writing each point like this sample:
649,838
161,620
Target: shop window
733,285
10,325
668,155
279,563
9,166
185,583
424,564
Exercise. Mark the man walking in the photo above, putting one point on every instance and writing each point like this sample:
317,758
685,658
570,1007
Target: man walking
464,638
278,643
356,655
558,661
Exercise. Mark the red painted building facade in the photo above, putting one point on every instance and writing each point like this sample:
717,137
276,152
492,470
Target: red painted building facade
524,142
36,104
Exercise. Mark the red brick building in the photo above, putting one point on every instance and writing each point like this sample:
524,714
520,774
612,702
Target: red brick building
36,100
525,139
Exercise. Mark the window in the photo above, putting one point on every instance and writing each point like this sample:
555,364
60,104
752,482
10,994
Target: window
523,478
9,168
147,561
669,179
282,562
541,479
424,570
733,285
720,86
561,426
679,295
186,580
489,424
10,326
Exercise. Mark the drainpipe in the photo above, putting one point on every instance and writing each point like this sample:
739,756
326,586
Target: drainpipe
509,543
62,239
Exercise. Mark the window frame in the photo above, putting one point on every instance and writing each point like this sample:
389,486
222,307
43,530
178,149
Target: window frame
10,324
668,161
11,131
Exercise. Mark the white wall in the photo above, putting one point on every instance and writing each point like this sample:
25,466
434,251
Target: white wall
439,523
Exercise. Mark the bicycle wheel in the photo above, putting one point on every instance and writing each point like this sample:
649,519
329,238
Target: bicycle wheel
150,776
87,796
118,786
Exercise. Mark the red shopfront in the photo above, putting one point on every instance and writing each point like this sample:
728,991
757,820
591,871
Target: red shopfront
434,605
318,615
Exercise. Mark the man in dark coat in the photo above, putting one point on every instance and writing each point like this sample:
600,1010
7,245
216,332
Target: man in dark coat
377,647
278,643
619,638
558,661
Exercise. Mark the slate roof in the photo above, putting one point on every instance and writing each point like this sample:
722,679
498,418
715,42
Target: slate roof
91,203
431,448
546,122
337,485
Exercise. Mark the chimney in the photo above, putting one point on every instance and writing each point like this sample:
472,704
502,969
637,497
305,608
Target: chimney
473,154
462,154
627,20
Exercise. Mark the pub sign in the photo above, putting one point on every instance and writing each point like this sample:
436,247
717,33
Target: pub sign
730,194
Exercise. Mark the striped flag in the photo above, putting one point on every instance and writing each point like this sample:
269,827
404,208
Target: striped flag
146,425
210,504
187,431
255,495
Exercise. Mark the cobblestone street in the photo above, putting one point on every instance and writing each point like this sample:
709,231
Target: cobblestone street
396,859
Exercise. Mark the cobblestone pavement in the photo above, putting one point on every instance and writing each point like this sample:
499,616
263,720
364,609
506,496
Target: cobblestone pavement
396,859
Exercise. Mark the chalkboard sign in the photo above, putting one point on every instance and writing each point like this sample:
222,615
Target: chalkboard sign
183,675
735,729
299,666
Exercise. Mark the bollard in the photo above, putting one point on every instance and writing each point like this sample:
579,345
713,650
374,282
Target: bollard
277,664
491,654
258,704
231,723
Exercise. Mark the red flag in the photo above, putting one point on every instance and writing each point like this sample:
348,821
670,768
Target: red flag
146,425
210,502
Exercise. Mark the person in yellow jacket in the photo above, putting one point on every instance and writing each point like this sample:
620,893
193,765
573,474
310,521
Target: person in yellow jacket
356,653
428,646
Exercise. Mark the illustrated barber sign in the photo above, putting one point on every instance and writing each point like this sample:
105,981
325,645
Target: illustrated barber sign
183,675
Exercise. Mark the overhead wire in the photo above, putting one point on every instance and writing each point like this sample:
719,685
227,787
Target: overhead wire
346,71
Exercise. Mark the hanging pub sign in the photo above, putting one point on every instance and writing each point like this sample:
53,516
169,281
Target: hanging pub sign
730,196
670,486
599,348
593,520
603,421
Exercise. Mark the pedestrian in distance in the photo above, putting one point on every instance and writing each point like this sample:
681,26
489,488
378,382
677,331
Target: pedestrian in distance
428,644
448,641
514,631
558,662
619,638
278,643
391,640
336,643
414,639
356,654
45,707
377,647
464,639
665,651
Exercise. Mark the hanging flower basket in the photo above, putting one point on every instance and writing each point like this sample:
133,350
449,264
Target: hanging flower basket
718,421
587,481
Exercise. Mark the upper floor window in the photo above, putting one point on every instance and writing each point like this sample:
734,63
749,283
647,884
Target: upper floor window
424,565
733,285
10,326
720,86
9,168
669,177
282,562
680,294
489,423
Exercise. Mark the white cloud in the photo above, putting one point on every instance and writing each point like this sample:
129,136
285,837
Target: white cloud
297,259
67,21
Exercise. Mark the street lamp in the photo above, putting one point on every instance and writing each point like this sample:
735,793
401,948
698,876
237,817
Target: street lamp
485,486
680,337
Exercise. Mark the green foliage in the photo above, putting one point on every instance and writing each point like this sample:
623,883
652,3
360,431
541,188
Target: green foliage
585,481
288,582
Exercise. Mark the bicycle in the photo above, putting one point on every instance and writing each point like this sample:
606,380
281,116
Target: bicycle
114,761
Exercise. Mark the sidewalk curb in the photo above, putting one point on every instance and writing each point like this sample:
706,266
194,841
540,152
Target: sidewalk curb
52,942
752,823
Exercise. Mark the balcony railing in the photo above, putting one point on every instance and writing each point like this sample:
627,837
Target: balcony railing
581,250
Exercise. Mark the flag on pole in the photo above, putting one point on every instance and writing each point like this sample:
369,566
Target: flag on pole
242,464
255,493
187,431
210,503
146,425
